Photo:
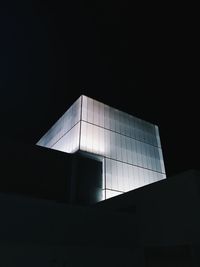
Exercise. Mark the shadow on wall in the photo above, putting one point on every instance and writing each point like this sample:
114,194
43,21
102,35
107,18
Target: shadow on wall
45,173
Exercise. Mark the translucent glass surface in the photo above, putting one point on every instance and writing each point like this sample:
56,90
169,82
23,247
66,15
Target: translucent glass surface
111,193
125,177
101,141
62,126
130,147
112,119
70,141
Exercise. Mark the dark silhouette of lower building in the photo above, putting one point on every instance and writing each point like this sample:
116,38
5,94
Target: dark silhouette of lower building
49,218
41,172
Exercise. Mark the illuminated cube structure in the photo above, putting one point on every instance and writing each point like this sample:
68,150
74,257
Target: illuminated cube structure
129,148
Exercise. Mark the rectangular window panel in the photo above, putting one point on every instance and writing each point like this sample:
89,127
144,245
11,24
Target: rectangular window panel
112,120
101,115
135,177
69,142
84,108
107,117
115,120
95,113
130,177
146,176
126,178
128,146
62,126
157,136
132,128
138,153
117,123
90,112
161,160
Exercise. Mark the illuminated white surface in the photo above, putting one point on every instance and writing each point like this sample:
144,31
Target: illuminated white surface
70,141
130,147
62,126
110,193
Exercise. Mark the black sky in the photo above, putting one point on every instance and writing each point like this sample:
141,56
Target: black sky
142,60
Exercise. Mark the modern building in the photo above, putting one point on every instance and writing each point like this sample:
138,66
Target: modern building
49,214
128,147
152,226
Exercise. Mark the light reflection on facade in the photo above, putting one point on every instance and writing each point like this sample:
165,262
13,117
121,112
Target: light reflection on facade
129,147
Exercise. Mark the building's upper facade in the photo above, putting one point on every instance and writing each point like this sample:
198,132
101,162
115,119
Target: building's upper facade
129,147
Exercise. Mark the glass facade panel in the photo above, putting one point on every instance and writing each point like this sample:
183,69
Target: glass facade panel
62,126
112,193
107,143
129,147
70,141
84,108
157,136
161,160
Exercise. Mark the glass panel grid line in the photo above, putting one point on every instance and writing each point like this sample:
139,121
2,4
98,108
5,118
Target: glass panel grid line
129,147
64,134
120,133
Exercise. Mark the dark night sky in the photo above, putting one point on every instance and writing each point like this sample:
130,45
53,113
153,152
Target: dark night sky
141,60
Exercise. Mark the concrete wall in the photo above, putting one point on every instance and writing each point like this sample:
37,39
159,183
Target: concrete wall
167,211
44,233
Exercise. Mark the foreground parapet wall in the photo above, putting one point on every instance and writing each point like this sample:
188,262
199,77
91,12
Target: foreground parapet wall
48,174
